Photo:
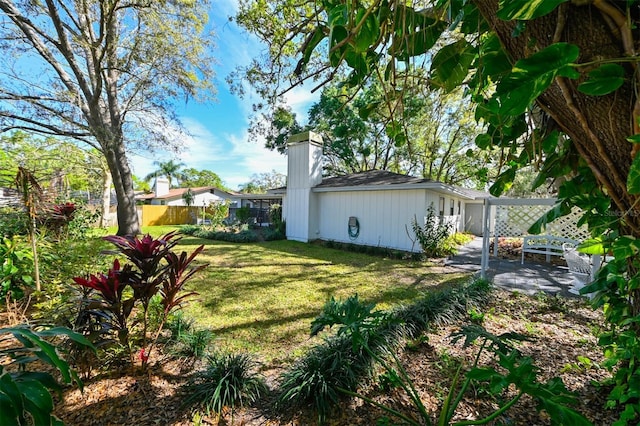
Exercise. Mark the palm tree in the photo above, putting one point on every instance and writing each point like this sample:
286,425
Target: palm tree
168,169
188,197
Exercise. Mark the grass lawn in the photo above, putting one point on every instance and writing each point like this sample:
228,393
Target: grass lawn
262,297
155,231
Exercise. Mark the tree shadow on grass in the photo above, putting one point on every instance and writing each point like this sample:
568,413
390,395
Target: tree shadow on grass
394,293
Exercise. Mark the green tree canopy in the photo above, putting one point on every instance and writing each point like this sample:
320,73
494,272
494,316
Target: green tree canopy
104,72
60,166
425,133
140,184
192,178
261,182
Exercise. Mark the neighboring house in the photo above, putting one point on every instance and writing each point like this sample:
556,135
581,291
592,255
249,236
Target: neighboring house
9,197
372,208
258,204
202,196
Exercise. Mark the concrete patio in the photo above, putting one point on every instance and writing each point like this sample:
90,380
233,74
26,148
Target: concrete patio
529,278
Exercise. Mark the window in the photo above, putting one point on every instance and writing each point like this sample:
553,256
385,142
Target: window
441,206
452,207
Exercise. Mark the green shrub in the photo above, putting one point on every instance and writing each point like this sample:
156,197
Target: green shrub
334,369
179,323
230,380
83,222
13,221
316,378
616,291
432,236
193,344
68,258
273,235
461,238
25,397
243,214
246,236
275,215
16,269
368,330
372,250
190,229
204,233
216,212
111,298
60,262
442,307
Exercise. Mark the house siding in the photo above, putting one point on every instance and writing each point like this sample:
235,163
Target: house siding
384,216
300,205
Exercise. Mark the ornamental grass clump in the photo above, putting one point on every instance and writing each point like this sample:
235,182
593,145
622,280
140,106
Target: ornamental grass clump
192,344
316,378
442,307
366,338
230,380
364,330
110,299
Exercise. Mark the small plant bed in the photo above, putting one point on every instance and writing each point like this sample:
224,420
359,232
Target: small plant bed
234,234
250,325
564,345
371,250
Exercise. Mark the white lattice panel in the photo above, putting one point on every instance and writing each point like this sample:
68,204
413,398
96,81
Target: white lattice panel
515,220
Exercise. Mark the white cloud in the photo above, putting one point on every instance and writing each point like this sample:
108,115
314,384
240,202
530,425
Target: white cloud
218,145
233,43
198,147
226,7
251,158
300,99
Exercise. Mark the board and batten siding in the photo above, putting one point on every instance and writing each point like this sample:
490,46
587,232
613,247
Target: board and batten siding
384,216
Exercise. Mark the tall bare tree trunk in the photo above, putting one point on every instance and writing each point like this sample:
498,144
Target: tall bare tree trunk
123,184
107,181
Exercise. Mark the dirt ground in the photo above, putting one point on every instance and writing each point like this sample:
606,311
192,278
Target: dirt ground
564,345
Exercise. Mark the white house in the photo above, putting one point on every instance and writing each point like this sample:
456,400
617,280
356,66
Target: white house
258,204
9,197
202,196
373,208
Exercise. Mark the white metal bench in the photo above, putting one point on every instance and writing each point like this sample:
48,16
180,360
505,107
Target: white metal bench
548,245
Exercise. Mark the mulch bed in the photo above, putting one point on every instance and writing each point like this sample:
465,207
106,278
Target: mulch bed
562,329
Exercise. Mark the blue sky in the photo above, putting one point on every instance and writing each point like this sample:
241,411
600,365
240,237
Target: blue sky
218,140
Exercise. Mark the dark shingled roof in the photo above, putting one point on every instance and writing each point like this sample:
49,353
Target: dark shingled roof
371,177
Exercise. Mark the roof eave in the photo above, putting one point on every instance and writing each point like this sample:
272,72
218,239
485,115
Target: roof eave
434,186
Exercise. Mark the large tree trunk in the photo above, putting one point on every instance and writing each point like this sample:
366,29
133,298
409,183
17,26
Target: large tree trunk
598,126
123,184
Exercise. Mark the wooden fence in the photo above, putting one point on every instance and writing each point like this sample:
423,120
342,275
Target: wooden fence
167,215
